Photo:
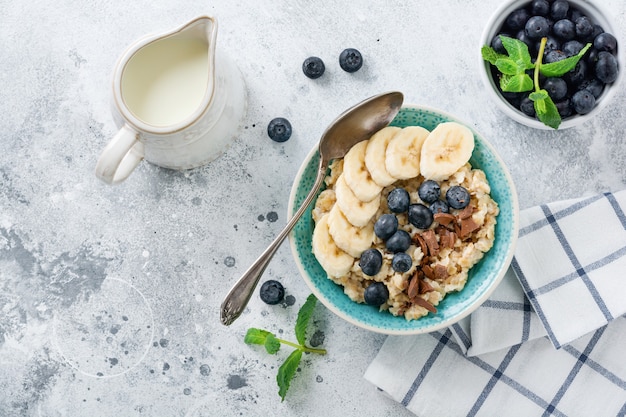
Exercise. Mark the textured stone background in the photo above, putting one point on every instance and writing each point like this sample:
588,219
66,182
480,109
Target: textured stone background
109,296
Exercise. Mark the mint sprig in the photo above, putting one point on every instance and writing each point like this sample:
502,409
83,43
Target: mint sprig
272,345
514,76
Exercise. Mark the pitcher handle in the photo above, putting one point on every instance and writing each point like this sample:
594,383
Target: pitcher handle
120,157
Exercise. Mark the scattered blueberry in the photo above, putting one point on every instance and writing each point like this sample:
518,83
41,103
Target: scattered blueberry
401,262
313,67
429,191
420,216
272,292
376,294
350,60
457,197
439,206
583,101
385,226
371,261
279,129
398,200
398,242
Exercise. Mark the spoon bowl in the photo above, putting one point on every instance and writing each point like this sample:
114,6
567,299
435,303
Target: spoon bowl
356,124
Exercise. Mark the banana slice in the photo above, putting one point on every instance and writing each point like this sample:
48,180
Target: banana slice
357,212
448,147
351,239
402,158
357,175
335,262
375,155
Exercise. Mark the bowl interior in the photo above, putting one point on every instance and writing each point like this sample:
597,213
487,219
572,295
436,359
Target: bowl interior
596,13
483,277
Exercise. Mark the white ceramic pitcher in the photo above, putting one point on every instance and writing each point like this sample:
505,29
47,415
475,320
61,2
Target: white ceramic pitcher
177,99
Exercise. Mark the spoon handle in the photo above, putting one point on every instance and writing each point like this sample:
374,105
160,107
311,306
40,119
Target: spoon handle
238,297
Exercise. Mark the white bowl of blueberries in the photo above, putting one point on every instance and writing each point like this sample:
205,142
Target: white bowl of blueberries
551,64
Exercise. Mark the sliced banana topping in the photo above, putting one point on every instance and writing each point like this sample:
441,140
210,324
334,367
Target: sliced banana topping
402,159
351,239
335,262
357,175
375,155
446,149
357,212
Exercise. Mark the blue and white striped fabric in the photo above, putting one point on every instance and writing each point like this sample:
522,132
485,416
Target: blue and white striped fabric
550,341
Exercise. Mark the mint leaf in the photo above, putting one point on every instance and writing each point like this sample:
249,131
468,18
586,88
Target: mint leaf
507,66
556,69
516,83
271,344
286,372
518,52
545,109
490,55
304,315
256,336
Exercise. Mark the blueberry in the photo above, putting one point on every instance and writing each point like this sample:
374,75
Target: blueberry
537,27
385,226
457,197
576,76
584,27
429,191
279,129
583,101
272,292
597,30
572,47
376,294
350,60
313,67
420,216
554,56
398,200
564,29
564,108
371,261
439,206
559,9
592,55
556,88
522,36
398,242
540,7
606,67
527,106
594,86
552,44
496,43
401,262
517,19
605,42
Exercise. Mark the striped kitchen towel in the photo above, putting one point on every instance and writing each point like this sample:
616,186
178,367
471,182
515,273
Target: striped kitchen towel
567,281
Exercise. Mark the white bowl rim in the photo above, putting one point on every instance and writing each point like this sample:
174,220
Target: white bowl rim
472,307
496,19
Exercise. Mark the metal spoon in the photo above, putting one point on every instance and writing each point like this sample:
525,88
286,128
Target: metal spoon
354,125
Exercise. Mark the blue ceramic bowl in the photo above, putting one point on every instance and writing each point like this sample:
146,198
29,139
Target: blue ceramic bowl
483,277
